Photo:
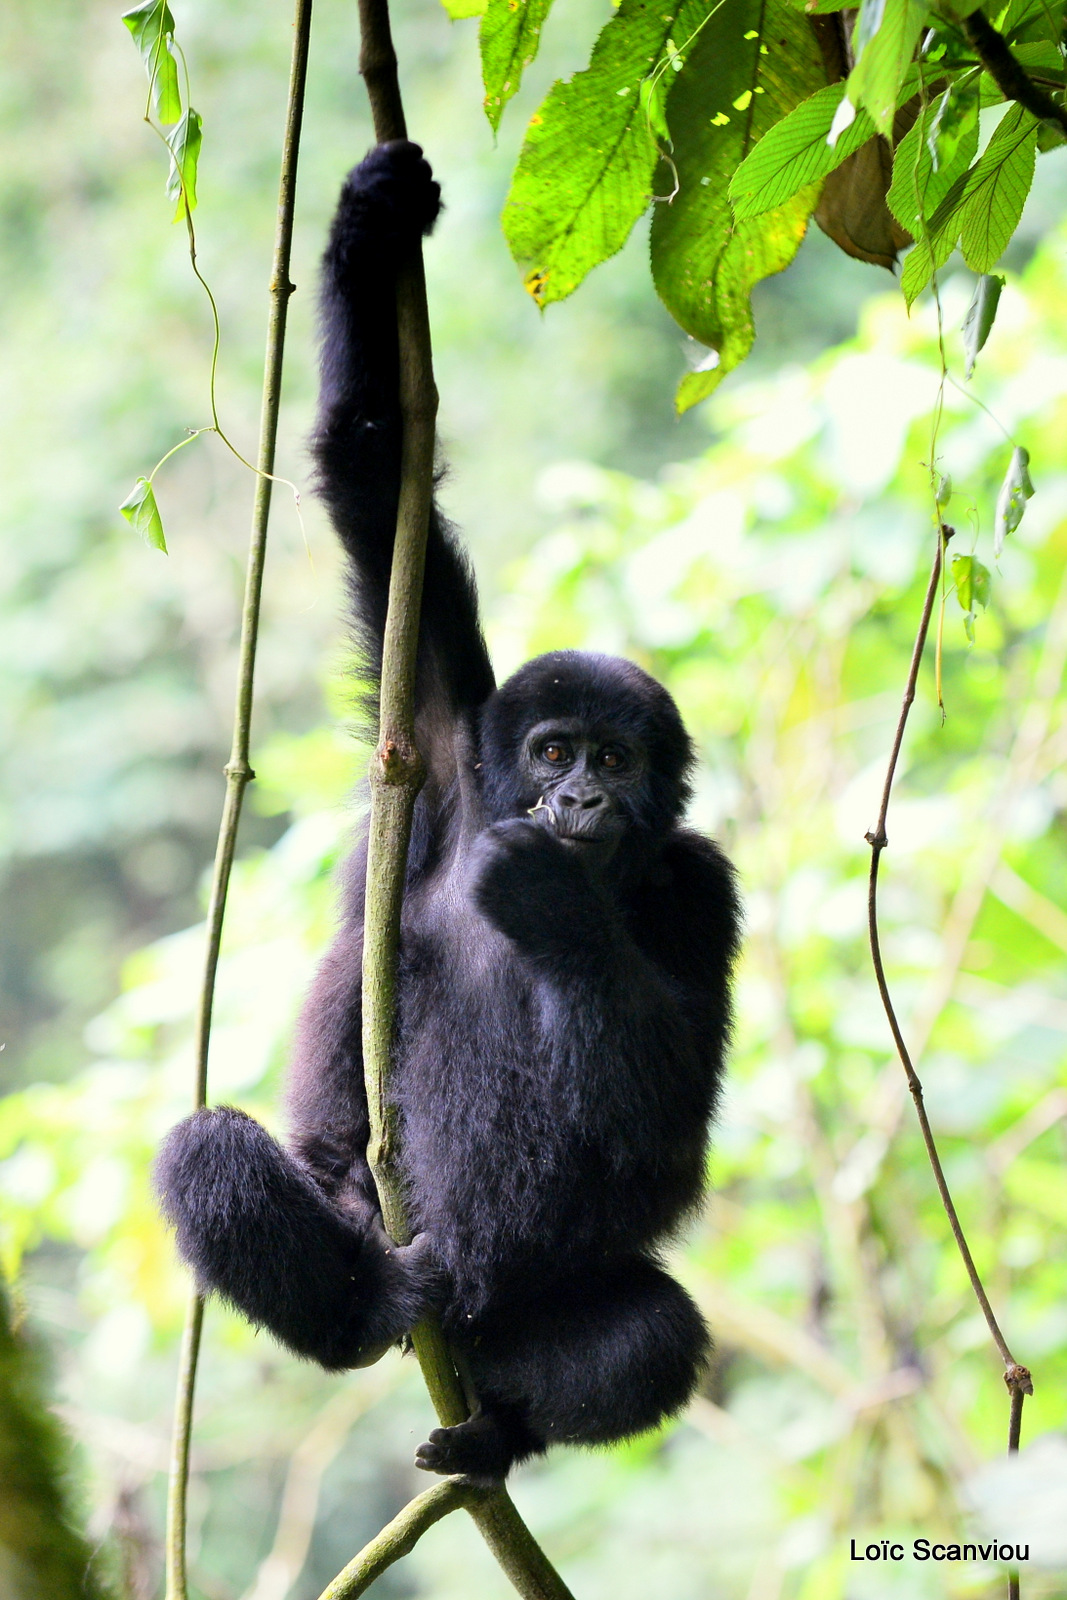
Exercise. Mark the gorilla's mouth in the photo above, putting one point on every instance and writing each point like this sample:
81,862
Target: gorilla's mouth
570,830
605,834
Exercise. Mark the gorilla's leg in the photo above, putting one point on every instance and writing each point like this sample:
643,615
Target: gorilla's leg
603,1357
257,1229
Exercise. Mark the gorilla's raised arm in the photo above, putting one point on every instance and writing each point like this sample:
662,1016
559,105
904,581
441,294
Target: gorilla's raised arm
386,204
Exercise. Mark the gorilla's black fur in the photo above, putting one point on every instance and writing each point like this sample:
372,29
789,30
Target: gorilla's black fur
564,1005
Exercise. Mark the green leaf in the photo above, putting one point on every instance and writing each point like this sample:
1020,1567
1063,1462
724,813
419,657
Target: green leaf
1028,20
929,255
459,9
972,589
996,190
972,582
183,141
983,204
917,190
140,509
796,151
884,40
1015,491
152,26
509,38
954,124
584,176
981,314
752,65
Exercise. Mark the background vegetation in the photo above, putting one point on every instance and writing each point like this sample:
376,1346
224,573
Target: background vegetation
765,556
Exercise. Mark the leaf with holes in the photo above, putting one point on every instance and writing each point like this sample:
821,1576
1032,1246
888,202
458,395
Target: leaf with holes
585,173
140,509
1015,491
981,314
752,65
972,588
972,582
508,39
884,41
152,26
796,151
183,142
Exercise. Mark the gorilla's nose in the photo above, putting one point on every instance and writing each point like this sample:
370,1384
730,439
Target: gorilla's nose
584,799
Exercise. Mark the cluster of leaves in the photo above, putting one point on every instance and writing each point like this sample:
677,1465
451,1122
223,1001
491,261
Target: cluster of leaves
741,119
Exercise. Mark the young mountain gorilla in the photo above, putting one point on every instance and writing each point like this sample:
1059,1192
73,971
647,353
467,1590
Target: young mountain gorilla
564,975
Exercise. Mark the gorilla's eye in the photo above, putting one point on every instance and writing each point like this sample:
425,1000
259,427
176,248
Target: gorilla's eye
612,758
557,754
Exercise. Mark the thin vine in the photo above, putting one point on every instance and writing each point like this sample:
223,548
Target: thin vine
1017,1378
152,27
238,769
399,769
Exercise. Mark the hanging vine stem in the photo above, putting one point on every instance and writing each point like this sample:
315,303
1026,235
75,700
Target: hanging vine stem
1017,1378
238,770
396,775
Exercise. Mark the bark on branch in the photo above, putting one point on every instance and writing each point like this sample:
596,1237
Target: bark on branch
1010,77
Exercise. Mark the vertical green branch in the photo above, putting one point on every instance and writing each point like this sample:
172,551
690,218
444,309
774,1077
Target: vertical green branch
396,775
238,769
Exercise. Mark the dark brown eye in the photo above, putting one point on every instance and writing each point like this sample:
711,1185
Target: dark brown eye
612,759
554,753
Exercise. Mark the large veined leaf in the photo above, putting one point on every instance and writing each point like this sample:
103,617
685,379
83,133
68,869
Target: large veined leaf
982,208
931,252
884,40
917,189
585,173
509,38
754,61
796,151
996,191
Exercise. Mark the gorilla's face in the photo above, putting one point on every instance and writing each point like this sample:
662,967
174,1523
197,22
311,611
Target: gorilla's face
583,782
589,746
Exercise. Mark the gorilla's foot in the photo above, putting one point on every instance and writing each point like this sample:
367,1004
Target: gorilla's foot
479,1449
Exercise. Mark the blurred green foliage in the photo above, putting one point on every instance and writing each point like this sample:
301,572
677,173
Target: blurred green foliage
41,1555
773,581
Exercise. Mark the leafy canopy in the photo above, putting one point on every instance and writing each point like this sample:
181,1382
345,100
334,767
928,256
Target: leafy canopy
738,121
